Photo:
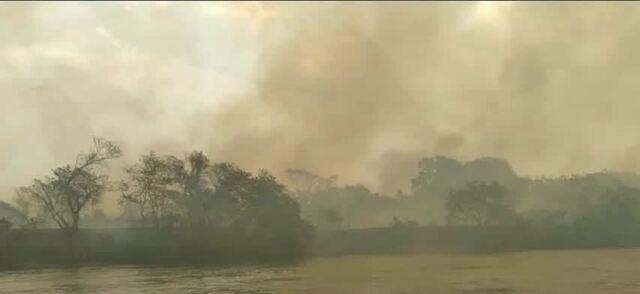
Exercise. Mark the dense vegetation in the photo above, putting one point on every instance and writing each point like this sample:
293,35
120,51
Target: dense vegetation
488,205
189,210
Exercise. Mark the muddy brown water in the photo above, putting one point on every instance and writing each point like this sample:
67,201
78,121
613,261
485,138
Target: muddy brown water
562,271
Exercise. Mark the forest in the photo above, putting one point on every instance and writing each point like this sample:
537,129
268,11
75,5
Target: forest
190,210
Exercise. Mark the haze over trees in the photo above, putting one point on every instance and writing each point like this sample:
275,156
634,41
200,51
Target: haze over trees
165,191
195,193
480,204
10,213
152,186
189,209
330,206
575,209
63,196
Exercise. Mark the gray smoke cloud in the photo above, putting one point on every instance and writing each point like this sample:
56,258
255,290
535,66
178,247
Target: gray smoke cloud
359,90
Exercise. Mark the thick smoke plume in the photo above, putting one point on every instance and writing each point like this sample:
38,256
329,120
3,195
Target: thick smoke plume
359,90
364,90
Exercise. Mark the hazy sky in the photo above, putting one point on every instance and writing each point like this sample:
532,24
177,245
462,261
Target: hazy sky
360,90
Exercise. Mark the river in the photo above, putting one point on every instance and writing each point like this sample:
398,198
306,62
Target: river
566,271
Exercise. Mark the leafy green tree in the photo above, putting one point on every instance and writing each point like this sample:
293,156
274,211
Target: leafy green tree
480,204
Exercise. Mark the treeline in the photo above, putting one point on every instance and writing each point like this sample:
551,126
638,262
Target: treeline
192,210
588,210
203,211
163,192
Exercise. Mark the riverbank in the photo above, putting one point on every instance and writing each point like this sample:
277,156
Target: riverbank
33,248
44,247
465,239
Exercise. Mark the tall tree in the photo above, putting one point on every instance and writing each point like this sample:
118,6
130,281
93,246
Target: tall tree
480,204
65,194
152,185
268,209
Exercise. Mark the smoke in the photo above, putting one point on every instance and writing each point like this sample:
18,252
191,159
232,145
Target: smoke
360,90
363,90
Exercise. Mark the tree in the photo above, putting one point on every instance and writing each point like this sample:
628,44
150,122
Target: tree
5,224
397,223
269,211
438,175
63,196
614,216
480,204
202,195
153,186
332,217
212,194
227,195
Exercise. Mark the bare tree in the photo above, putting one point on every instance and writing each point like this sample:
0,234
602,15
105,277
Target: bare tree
63,196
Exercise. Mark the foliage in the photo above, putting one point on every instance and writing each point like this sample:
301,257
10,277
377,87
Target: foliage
209,209
332,217
64,195
5,224
480,204
153,186
614,215
195,194
398,224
